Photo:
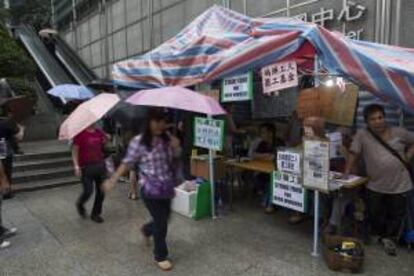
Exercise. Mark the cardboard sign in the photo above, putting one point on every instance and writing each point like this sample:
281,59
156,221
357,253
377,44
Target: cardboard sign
316,165
343,104
237,88
213,93
288,191
288,161
208,133
279,76
331,103
307,105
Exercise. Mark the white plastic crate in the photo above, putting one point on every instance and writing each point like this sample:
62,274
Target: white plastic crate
184,202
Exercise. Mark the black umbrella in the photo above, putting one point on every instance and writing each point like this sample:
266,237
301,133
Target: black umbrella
130,116
108,86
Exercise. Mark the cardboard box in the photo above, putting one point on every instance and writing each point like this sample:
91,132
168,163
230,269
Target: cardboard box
200,168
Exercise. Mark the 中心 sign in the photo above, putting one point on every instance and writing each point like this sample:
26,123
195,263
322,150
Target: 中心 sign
208,133
316,165
288,191
237,88
279,76
288,161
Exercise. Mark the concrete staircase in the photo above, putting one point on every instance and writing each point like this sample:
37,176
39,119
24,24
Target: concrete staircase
44,165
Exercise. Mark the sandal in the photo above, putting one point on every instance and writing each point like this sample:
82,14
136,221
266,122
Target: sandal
132,196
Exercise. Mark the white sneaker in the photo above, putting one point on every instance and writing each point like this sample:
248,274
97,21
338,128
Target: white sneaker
4,244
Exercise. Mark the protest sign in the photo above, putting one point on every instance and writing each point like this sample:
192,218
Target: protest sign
279,76
208,133
237,88
288,191
316,165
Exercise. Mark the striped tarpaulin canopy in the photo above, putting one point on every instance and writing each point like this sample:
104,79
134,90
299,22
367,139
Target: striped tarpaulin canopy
222,42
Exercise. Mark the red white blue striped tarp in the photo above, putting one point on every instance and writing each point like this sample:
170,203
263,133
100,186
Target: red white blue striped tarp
221,42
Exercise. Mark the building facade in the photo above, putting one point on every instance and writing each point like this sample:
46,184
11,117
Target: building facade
107,31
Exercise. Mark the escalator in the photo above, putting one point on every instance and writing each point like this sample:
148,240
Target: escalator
46,61
71,61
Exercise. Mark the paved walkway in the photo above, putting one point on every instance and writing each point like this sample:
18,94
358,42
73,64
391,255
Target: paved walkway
54,241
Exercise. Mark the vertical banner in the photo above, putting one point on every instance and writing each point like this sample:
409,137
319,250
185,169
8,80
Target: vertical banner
288,191
279,76
316,165
208,133
237,88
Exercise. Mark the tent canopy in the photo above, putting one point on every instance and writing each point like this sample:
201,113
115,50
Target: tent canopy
222,42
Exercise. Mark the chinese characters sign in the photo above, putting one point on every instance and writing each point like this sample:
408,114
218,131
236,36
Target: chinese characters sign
208,133
288,162
351,12
316,165
237,88
279,76
288,191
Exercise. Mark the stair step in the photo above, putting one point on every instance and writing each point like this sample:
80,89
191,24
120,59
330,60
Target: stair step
45,184
41,156
42,164
39,175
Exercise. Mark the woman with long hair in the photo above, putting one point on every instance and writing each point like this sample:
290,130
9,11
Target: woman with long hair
154,155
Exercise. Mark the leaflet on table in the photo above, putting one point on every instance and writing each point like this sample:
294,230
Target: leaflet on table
316,165
337,181
288,192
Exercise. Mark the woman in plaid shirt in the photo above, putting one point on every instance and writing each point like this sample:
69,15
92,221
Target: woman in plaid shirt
154,155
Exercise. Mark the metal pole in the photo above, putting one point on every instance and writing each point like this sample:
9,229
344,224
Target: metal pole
288,8
150,23
245,6
315,252
387,22
75,25
105,23
53,23
211,174
397,23
383,19
377,20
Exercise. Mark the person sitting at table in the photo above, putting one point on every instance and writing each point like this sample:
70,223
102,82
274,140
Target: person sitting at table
266,150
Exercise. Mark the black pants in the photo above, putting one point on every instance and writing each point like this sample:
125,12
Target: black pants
160,210
93,174
386,213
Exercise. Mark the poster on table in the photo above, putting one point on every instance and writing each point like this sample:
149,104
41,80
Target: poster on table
289,161
278,76
288,191
208,133
237,88
316,165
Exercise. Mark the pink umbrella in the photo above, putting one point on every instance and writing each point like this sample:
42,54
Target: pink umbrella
179,98
87,114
